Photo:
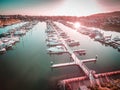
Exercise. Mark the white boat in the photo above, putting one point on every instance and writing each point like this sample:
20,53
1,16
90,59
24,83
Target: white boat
98,38
8,45
20,32
15,38
4,40
52,35
57,50
51,39
54,40
117,38
10,40
73,43
49,31
107,41
54,43
2,48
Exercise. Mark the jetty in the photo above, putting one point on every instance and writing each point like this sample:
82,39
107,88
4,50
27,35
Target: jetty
91,77
76,61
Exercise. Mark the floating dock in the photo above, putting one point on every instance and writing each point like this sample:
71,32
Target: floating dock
76,61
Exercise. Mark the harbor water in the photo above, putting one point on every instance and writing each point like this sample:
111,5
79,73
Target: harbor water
27,65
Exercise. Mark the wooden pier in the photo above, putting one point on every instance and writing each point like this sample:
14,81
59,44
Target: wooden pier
97,76
107,74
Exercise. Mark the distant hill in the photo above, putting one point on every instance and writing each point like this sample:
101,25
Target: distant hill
107,21
115,13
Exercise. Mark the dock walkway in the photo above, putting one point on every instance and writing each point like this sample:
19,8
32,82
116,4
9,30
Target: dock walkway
76,60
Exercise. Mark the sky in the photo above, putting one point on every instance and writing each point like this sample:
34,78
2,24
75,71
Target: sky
58,7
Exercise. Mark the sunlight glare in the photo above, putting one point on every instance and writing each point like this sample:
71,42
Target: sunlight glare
77,25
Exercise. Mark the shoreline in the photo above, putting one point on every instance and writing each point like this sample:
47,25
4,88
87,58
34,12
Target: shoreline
8,22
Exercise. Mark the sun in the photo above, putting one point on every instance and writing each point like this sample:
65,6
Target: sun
77,25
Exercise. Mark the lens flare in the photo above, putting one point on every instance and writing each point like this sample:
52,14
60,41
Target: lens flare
77,25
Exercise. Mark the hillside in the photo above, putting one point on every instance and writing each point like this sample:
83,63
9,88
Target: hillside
107,21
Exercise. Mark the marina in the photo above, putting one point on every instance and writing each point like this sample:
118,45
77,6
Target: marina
60,45
94,80
98,35
13,36
27,56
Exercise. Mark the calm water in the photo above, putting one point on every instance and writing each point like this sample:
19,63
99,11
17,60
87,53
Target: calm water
27,66
108,57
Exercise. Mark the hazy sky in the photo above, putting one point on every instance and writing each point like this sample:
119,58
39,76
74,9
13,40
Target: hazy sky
58,7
